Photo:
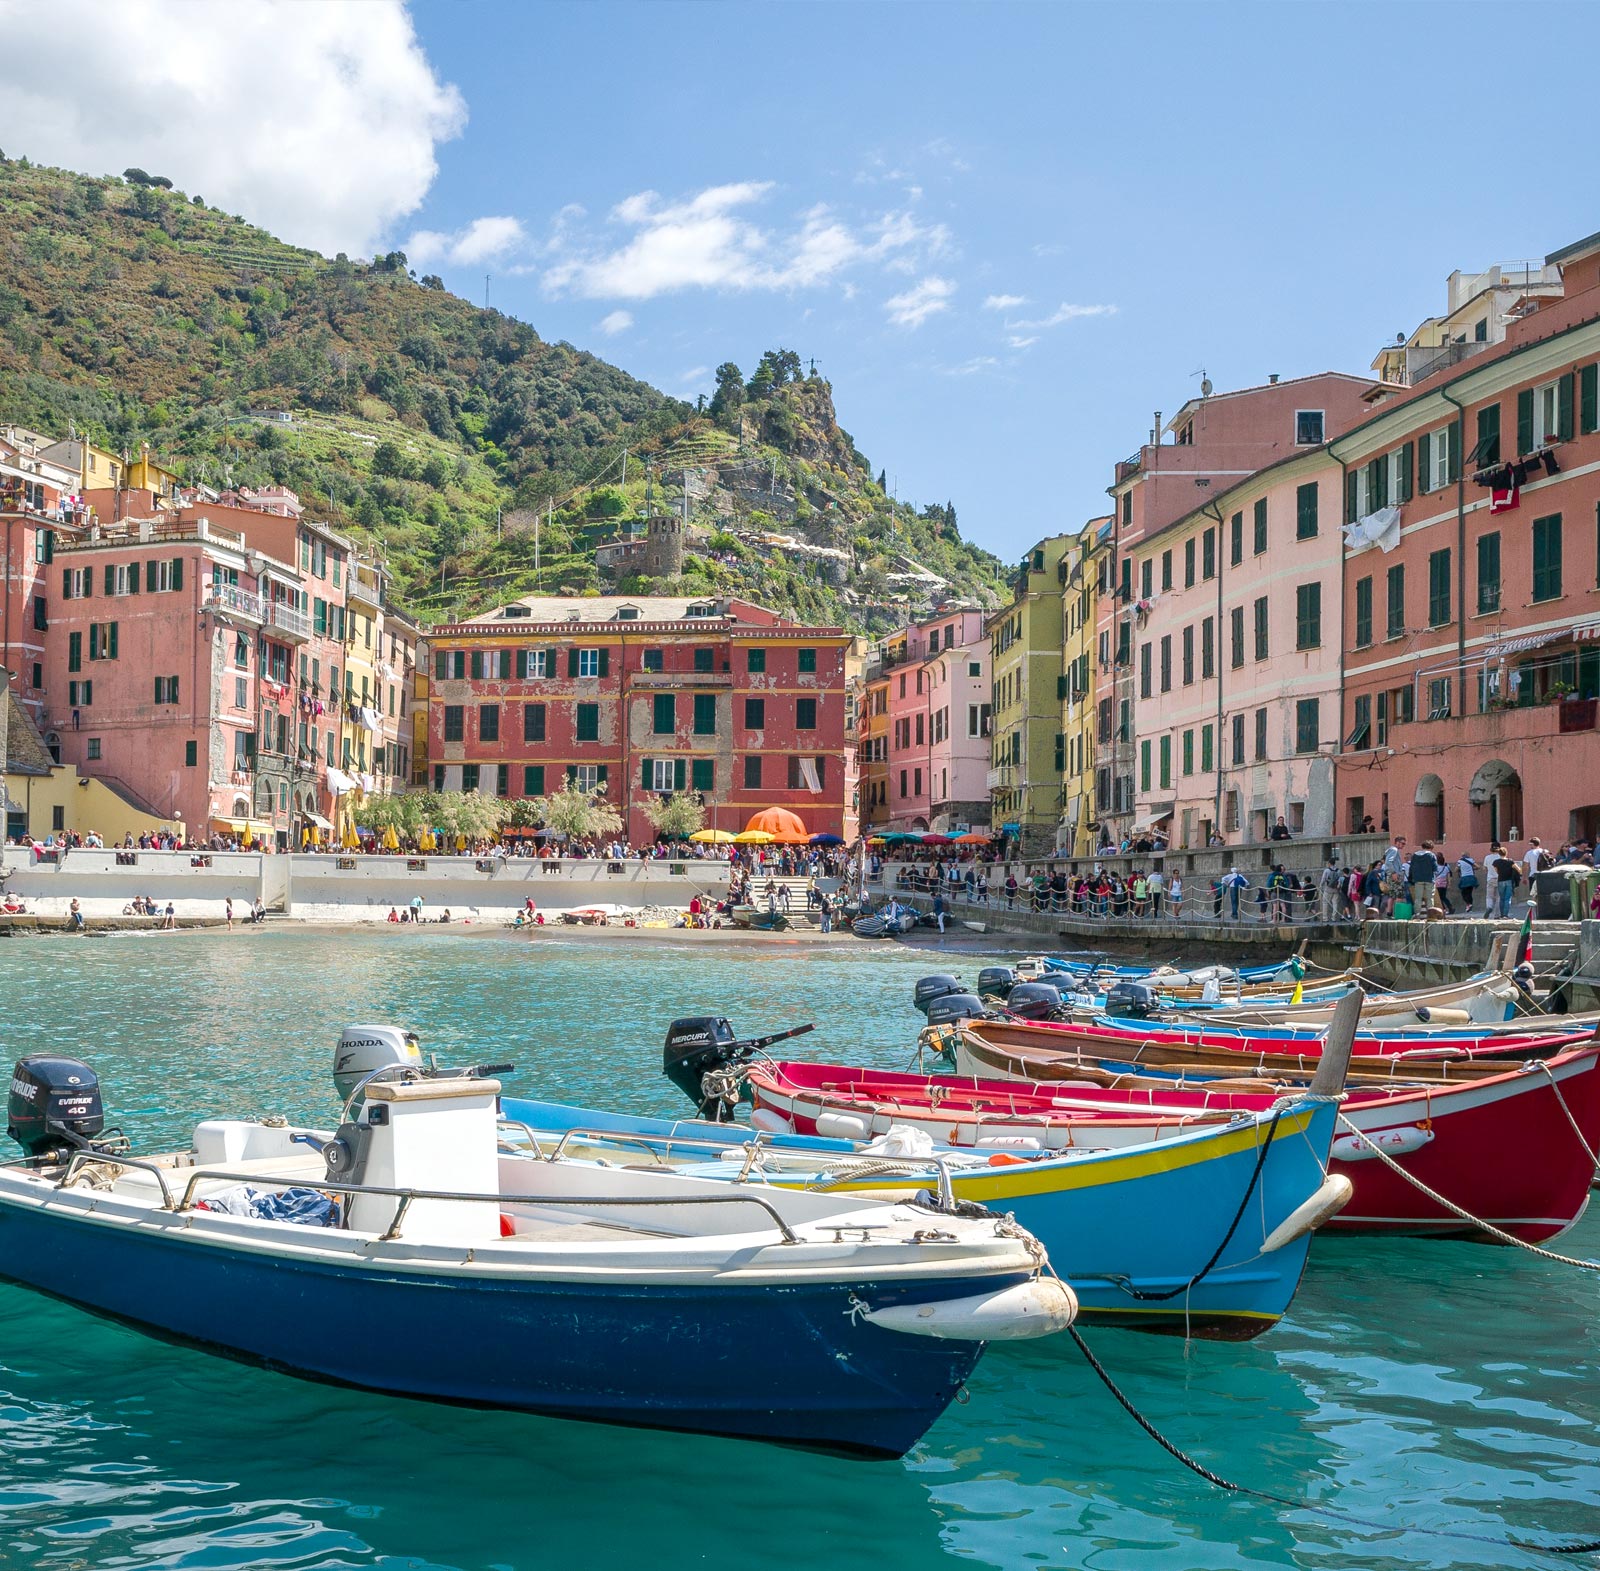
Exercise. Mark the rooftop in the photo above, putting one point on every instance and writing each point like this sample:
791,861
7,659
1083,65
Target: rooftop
607,608
26,753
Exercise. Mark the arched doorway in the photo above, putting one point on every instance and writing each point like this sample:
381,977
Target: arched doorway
1495,800
1429,801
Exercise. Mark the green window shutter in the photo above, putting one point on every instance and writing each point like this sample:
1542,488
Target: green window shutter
161,683
1166,762
1424,463
441,664
1144,765
647,773
110,580
1206,744
177,572
677,774
705,714
605,662
664,720
572,774
1453,440
74,651
150,577
1305,511
602,774
572,662
1402,484
1525,420
1589,399
703,775
533,779
522,664
111,652
550,662
133,578
1350,497
66,583
1564,408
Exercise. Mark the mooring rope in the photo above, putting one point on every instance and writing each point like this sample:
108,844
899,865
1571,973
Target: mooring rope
1333,1513
1466,1216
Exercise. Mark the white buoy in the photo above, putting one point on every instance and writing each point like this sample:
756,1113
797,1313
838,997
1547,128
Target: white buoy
1331,1197
1037,1308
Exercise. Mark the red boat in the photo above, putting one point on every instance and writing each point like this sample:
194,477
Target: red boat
1512,1147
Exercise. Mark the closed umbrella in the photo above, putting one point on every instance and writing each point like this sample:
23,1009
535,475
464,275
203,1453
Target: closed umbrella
391,841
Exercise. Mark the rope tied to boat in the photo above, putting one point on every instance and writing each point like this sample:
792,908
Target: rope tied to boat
1549,1075
1145,1295
1458,1211
1333,1513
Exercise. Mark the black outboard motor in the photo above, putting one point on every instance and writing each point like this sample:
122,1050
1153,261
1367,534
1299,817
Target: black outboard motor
700,1044
1034,1000
54,1107
949,1007
995,981
1132,1001
929,988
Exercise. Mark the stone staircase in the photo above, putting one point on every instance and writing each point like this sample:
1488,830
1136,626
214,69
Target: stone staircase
796,912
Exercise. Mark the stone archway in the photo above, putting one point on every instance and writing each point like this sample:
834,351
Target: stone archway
1429,801
1495,801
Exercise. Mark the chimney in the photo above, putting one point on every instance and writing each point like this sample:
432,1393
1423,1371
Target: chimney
1273,379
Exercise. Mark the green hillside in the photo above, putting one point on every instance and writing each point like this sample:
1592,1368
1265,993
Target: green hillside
431,427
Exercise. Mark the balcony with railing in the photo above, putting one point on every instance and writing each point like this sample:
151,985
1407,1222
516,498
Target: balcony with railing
293,624
231,600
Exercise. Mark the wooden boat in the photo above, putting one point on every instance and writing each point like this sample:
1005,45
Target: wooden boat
1486,999
650,1298
1011,1050
1110,1214
1469,1141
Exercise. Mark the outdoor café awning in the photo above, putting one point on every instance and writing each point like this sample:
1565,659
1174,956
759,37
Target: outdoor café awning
318,820
239,826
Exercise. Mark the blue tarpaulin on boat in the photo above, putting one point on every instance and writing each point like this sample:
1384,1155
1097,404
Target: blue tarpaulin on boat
308,1206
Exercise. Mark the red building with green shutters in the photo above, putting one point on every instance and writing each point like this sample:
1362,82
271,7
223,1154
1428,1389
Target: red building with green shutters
647,696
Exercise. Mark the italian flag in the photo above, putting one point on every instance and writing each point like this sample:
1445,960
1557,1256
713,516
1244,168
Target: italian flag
1525,941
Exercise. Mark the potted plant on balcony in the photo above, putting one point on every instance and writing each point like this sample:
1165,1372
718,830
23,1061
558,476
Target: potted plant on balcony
1558,692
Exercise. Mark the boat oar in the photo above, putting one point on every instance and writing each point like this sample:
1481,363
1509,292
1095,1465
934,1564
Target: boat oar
1337,1045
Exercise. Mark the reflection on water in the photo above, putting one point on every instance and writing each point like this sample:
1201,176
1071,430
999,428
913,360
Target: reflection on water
1416,1385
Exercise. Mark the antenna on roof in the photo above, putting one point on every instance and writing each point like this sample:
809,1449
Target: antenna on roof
1205,381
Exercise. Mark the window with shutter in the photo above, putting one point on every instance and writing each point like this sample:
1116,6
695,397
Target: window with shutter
1236,539
705,714
1563,431
1305,511
1396,625
1452,452
587,722
1164,756
1261,628
533,779
1363,612
1236,637
1488,573
664,718
1261,735
703,774
1487,448
1525,421
1188,752
1238,739
1439,587
488,722
805,714
1589,399
1308,616
1425,462
533,720
1206,746
1547,557
1144,765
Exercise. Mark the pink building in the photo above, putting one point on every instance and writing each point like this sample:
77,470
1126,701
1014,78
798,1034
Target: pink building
36,510
1167,548
1472,673
959,693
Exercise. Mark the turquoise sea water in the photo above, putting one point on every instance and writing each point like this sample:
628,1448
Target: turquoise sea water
1419,1385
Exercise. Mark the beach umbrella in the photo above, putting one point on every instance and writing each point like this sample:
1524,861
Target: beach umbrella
778,823
936,840
754,837
712,837
827,840
974,837
391,841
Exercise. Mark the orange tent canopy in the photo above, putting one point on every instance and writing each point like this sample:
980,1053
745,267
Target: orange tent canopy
781,824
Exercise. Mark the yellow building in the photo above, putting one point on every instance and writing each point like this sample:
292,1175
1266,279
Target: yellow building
1080,597
96,467
1027,646
379,662
145,474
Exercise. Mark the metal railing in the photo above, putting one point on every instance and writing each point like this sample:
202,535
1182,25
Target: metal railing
407,1197
229,597
291,621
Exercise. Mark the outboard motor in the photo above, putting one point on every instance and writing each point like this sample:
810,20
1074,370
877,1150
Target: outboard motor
950,1007
699,1045
1034,1000
364,1049
929,988
996,981
1132,1001
54,1107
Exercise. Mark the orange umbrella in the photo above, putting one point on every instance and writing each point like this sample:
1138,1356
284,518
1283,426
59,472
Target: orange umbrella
784,826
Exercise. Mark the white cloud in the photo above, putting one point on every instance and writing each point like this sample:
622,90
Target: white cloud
616,322
711,240
918,303
1019,342
693,375
318,122
973,366
483,240
1066,313
1004,302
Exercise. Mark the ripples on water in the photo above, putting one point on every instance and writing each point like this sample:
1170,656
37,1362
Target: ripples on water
1416,1385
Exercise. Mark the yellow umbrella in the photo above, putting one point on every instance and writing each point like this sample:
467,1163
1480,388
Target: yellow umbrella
461,842
712,837
753,837
391,841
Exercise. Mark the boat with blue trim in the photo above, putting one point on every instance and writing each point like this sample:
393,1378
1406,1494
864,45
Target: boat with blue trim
410,1252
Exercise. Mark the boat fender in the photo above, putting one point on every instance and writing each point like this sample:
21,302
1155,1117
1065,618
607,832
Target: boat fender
1007,1159
1331,1198
1393,1142
1037,1308
843,1126
772,1121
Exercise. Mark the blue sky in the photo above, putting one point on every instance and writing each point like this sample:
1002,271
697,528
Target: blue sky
1006,233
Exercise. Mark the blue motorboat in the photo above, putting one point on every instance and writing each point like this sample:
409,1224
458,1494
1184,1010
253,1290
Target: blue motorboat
1202,1233
409,1252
